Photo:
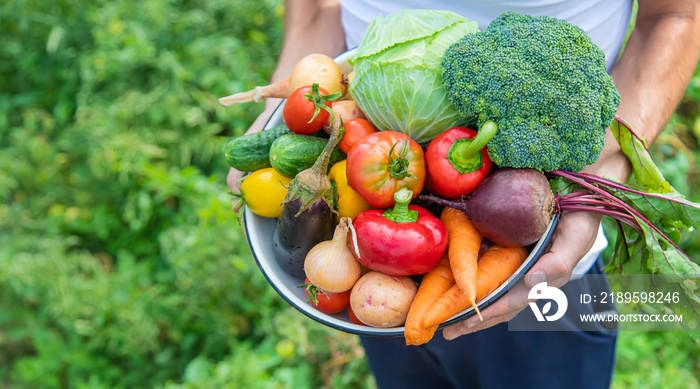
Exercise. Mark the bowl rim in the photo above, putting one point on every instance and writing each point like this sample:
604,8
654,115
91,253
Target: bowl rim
538,249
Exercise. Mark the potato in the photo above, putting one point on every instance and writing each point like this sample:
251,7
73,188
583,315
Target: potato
380,300
345,110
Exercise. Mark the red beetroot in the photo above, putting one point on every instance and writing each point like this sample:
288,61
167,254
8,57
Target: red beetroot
511,207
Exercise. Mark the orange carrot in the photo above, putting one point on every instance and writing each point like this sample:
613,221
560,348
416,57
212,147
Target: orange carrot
463,246
434,284
494,268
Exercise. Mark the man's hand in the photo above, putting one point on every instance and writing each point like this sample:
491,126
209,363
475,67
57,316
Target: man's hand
257,126
572,239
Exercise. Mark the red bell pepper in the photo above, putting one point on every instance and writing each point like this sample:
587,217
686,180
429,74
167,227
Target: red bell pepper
456,164
400,241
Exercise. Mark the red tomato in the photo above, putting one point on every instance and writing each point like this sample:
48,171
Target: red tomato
326,302
450,173
355,129
353,317
300,109
381,163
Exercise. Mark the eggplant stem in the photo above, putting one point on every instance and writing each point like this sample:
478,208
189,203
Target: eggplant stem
313,183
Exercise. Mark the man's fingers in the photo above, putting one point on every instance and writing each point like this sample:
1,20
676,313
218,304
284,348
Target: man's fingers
502,310
257,126
553,268
232,179
469,326
572,239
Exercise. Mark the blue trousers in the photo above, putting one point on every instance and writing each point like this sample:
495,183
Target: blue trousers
499,358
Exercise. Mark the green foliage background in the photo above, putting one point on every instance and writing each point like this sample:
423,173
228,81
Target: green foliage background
121,262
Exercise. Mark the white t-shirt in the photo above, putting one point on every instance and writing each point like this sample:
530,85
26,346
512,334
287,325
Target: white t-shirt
605,21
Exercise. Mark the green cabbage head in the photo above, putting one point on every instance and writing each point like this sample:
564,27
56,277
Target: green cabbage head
397,80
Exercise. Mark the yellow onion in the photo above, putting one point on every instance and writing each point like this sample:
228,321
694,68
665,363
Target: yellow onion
330,265
348,80
317,69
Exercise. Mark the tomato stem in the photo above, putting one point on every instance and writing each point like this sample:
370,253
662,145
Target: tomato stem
318,99
313,291
398,166
239,202
238,196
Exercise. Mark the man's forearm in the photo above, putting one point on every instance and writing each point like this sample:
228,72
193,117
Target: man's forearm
310,26
652,74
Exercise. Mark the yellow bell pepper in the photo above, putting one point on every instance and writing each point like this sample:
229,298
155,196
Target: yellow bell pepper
349,203
263,192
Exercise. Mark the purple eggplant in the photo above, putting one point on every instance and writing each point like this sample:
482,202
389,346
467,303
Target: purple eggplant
294,236
306,218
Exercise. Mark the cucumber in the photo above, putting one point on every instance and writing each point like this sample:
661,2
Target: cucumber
251,152
293,153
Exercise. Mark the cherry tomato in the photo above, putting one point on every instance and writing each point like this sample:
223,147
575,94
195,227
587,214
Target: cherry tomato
326,302
451,172
300,109
355,129
381,163
353,317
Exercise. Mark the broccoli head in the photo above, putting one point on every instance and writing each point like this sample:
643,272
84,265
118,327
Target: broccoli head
543,82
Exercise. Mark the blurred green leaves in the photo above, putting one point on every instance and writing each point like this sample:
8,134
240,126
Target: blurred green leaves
122,264
656,360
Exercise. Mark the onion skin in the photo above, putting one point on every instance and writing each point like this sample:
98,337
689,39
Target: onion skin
348,80
330,265
319,69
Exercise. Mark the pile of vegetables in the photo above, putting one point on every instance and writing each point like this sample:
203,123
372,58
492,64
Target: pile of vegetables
389,205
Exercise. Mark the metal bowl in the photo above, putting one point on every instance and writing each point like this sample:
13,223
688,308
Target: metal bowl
259,235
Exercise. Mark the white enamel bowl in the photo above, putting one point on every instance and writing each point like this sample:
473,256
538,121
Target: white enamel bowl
259,234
